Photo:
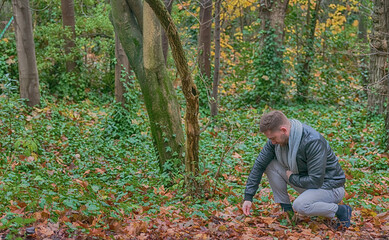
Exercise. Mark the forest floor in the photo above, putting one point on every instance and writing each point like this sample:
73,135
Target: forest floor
88,171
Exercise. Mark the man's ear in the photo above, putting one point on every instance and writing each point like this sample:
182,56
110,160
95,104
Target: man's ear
283,129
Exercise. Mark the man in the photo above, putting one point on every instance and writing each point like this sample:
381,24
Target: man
298,155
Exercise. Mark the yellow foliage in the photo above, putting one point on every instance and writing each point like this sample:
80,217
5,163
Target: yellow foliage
355,23
235,8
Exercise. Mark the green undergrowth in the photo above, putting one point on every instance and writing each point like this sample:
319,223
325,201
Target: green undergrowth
97,159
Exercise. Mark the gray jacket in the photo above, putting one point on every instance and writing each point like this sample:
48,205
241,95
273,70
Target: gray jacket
317,164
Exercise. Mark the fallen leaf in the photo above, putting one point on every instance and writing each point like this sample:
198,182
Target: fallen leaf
201,236
82,183
98,170
236,155
222,228
189,223
268,220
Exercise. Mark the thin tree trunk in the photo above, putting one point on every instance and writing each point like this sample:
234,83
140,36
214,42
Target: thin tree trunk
304,65
28,72
205,38
122,71
362,35
215,87
191,95
165,42
69,21
379,59
143,47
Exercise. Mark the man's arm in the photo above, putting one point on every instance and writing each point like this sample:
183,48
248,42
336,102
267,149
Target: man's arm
316,153
264,158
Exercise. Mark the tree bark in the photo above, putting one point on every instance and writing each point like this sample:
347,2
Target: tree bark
28,72
379,59
165,42
69,22
205,38
269,67
215,86
304,63
122,71
143,47
191,95
362,35
272,14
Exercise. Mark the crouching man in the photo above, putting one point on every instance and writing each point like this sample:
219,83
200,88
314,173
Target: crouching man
298,155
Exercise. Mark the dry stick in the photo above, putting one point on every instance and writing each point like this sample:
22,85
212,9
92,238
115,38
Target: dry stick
222,160
225,153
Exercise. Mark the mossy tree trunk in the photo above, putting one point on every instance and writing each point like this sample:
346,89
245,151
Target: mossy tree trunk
191,95
143,47
269,62
165,42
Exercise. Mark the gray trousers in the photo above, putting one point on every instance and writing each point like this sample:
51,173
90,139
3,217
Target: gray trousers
310,202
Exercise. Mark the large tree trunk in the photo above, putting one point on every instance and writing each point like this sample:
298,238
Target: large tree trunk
272,14
143,47
191,95
68,21
215,86
270,59
379,59
165,42
122,71
205,38
28,72
305,61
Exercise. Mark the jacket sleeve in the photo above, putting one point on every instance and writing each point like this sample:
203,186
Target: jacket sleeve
316,154
264,158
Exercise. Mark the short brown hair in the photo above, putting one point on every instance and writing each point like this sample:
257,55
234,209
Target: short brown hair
272,121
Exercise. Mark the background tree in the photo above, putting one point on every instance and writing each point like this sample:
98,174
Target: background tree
269,62
28,72
205,37
305,60
122,71
379,59
69,23
143,47
215,85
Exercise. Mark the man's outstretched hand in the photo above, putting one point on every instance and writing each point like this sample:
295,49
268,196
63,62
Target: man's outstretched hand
246,207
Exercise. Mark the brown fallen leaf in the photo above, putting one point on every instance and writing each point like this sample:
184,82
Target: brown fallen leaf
268,220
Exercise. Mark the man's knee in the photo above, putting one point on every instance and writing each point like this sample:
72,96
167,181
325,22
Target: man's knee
301,206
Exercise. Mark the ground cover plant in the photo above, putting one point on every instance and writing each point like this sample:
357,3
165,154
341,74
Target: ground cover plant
80,165
88,170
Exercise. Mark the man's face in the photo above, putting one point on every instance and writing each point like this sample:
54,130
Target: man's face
278,136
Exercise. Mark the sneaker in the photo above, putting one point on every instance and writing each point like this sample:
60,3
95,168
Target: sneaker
344,216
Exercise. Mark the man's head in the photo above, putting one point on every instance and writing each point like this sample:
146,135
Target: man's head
276,126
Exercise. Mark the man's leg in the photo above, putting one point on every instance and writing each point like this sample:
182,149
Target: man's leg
319,202
278,180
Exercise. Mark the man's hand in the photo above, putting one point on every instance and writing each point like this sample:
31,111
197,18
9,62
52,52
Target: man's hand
288,173
246,207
